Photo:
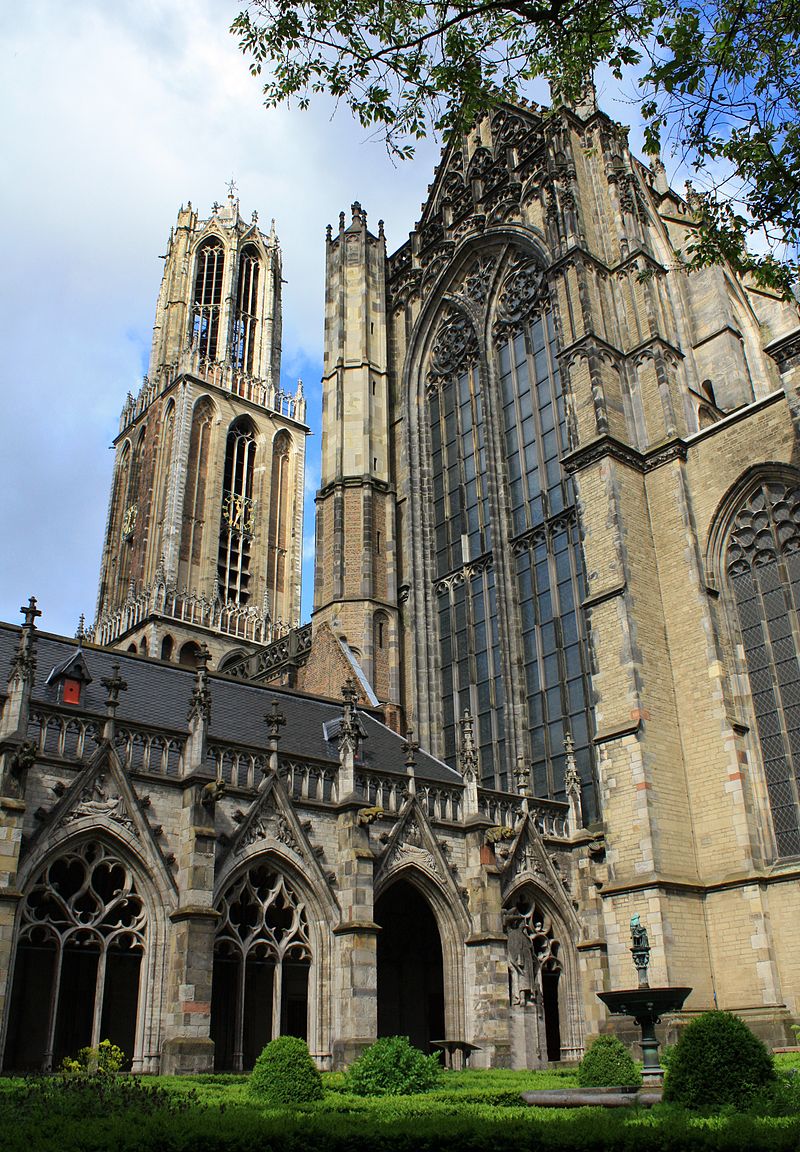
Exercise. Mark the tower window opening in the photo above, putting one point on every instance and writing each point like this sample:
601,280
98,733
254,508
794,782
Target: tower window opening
236,524
207,302
279,524
245,318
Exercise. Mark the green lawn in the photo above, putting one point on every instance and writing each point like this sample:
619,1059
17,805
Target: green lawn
471,1111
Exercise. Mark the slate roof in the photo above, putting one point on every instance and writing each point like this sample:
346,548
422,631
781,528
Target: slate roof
158,696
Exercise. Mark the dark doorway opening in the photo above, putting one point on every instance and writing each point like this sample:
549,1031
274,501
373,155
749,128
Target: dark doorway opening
552,1027
410,972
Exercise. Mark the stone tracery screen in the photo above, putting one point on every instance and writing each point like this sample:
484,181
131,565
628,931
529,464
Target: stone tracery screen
261,961
762,563
82,935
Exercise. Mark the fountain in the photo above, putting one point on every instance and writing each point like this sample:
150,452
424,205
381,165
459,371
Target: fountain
644,1004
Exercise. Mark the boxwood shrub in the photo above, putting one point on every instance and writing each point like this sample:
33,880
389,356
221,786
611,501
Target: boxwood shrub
718,1061
284,1073
608,1063
393,1067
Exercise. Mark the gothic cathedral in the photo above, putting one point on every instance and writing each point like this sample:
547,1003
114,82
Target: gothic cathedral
552,677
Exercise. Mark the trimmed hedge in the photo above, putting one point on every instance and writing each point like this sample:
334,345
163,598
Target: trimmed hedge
284,1073
716,1062
393,1067
608,1063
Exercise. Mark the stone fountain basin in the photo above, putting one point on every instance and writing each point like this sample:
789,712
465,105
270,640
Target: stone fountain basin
618,1097
644,1003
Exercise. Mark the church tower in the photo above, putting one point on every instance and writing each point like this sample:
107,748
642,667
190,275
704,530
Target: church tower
355,586
204,532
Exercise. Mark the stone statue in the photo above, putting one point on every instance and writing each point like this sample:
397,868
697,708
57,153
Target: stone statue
522,958
639,934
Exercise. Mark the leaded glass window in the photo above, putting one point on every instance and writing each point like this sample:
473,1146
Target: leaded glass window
527,510
762,562
238,514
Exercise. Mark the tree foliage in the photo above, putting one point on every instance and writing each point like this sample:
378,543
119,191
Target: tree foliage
719,81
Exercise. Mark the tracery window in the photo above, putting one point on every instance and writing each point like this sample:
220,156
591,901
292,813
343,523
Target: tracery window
207,301
261,963
83,932
238,513
762,564
245,317
527,510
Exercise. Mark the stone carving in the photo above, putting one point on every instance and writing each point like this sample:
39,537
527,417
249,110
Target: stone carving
367,816
455,346
410,849
272,825
97,802
521,295
532,950
478,279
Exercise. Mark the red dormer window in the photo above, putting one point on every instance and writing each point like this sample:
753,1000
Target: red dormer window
70,691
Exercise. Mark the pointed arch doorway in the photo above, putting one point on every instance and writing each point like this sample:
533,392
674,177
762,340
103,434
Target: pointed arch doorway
409,967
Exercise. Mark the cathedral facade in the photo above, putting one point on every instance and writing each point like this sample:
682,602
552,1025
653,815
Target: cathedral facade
552,676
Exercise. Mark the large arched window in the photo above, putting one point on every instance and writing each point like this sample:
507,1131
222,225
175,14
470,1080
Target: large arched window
245,318
508,573
762,566
261,961
279,524
194,501
238,512
207,301
83,930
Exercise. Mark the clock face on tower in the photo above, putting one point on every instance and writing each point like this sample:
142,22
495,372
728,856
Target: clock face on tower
129,521
238,513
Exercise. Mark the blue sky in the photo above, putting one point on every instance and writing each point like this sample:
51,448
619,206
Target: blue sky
114,115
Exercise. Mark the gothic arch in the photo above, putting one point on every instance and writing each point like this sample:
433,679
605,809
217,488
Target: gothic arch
454,927
496,293
207,296
754,556
561,926
96,849
322,913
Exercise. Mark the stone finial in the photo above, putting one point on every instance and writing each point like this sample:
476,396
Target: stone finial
23,662
522,776
328,232
114,684
381,233
341,221
468,764
30,613
275,720
410,748
254,218
572,785
468,754
358,214
80,633
200,702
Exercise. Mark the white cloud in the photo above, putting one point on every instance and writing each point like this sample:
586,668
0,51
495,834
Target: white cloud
121,112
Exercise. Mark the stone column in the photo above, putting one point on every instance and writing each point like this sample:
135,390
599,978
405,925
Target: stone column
355,952
487,957
188,1047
